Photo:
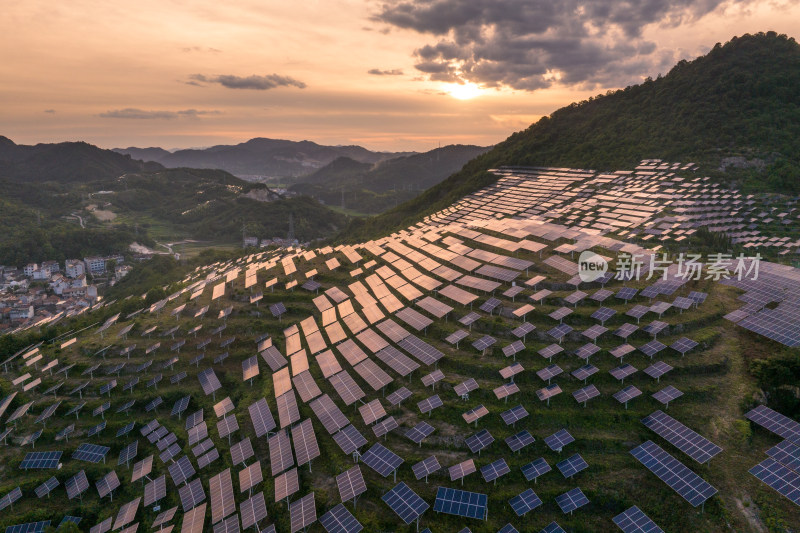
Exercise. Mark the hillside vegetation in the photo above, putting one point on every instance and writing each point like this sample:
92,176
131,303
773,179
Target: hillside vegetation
741,100
52,198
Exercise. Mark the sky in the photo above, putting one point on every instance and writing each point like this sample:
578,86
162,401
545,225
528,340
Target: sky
387,75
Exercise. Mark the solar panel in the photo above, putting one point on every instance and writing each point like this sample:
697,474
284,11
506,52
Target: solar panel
305,442
192,495
261,416
686,440
340,520
209,381
349,439
626,293
572,465
652,348
495,470
47,487
181,470
667,394
251,476
478,441
351,483
91,453
775,422
142,468
456,337
549,372
587,350
779,477
41,460
535,468
426,467
405,503
222,501
29,527
523,329
241,451
106,484
429,404
558,440
253,510
657,369
549,351
514,415
193,519
461,503
180,406
603,314
329,414
381,459
280,452
786,453
424,352
560,331
552,527
683,345
633,520
76,485
585,372
484,342
679,478
419,432
227,426
475,414
155,490
525,502
623,371
12,497
466,387
627,394
520,440
302,513
571,500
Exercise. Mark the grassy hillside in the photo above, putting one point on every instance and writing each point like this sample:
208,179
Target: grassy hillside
741,100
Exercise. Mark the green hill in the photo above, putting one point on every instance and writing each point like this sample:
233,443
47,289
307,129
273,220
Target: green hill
735,111
64,162
105,210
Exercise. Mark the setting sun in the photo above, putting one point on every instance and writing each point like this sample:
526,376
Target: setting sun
463,91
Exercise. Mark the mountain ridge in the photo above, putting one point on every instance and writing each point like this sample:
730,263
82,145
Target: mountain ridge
261,156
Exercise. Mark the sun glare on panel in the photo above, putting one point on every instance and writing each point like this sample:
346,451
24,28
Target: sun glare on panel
463,91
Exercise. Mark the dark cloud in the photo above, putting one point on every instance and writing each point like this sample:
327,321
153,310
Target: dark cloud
532,44
50,111
141,114
379,72
259,83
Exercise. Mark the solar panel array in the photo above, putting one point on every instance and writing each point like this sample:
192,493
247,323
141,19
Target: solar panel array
686,483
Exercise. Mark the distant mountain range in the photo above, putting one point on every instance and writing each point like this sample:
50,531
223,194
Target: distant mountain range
373,188
273,158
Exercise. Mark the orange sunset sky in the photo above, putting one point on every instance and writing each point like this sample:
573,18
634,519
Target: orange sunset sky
404,75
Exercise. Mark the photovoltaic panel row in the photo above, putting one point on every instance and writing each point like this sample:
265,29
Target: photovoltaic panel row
405,503
779,477
686,440
686,483
461,503
775,422
633,520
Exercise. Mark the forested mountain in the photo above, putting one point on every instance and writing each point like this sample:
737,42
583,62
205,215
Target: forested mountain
735,111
